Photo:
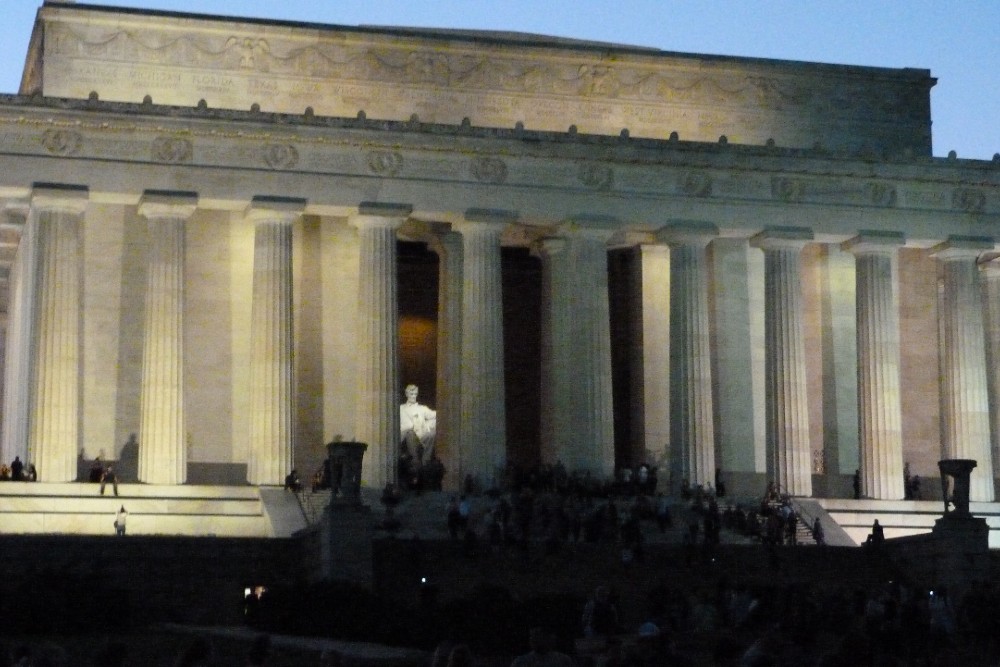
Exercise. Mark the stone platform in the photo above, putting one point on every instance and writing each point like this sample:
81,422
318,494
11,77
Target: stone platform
186,510
901,518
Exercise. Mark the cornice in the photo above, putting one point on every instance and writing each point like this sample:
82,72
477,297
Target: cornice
592,166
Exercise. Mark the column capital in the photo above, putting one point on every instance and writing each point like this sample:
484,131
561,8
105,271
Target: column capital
654,249
587,228
962,248
989,264
265,208
782,238
376,214
167,205
548,246
873,241
687,232
71,199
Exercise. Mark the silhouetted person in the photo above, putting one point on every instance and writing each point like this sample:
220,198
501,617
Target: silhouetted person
109,477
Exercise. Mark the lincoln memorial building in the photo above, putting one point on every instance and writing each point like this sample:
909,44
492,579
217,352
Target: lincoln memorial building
239,240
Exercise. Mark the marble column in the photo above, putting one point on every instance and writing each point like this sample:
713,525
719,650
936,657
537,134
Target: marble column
53,428
269,458
448,246
162,430
991,307
692,425
964,399
557,432
577,399
789,456
17,353
483,443
879,404
651,383
378,398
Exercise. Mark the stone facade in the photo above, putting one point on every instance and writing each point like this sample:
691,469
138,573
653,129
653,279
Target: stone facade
323,147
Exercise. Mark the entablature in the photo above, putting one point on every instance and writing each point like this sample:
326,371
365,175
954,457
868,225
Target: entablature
227,157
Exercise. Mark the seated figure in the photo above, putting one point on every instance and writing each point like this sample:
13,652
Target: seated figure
417,426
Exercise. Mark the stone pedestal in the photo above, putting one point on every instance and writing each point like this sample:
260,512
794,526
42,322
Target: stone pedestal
345,461
346,552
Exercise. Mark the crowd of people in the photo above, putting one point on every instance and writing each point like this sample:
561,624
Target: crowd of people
18,471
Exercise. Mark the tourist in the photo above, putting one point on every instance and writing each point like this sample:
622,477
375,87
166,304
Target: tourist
292,482
817,531
109,477
17,469
120,520
96,471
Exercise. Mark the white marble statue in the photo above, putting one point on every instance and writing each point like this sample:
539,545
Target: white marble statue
417,425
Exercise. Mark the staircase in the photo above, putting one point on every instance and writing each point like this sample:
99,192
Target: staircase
181,510
900,518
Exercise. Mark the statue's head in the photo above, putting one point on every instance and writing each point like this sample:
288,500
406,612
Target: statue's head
411,392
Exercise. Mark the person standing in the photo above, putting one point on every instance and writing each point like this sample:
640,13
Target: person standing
109,477
120,520
17,469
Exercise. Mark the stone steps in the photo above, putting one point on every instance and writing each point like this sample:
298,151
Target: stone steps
900,518
79,509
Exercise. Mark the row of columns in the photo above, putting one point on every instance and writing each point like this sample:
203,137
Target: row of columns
965,401
41,405
577,422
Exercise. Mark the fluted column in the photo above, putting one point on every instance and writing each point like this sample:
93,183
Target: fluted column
377,421
483,445
879,404
692,427
17,353
163,450
991,298
448,246
557,432
53,430
964,400
271,398
788,451
577,399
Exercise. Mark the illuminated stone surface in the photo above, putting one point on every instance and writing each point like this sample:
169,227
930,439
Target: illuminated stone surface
692,429
163,454
789,453
965,404
271,433
878,366
851,152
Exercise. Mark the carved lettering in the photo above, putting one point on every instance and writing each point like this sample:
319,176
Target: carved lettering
969,200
